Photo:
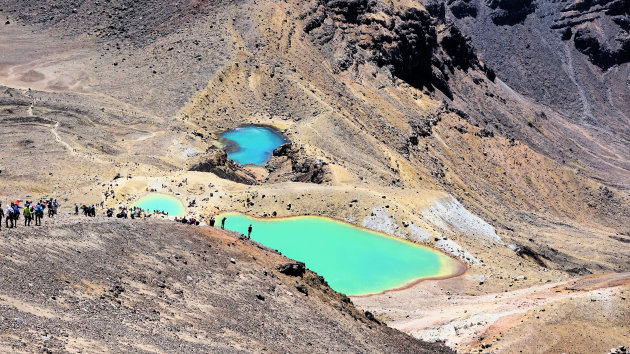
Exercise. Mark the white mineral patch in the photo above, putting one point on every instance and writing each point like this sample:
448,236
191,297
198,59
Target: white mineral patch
379,220
448,214
417,233
455,250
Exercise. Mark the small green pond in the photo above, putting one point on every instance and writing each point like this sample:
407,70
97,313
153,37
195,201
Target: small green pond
162,202
353,260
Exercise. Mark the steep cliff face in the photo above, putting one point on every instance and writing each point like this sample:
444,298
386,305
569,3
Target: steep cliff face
601,30
404,39
569,56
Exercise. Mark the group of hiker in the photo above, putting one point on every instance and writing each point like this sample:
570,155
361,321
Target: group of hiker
124,213
11,213
35,211
87,210
189,221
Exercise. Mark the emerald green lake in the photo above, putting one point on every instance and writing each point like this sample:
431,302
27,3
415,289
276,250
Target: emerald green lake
354,261
162,202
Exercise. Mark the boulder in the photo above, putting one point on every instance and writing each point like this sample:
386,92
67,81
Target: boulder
302,288
292,269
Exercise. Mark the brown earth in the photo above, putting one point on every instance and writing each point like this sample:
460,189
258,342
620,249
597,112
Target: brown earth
442,154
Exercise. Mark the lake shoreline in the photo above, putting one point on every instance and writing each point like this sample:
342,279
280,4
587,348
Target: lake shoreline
456,269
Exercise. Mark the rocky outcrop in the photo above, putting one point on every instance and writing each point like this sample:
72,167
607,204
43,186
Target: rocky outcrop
600,53
296,269
411,42
462,8
601,30
510,12
215,160
303,167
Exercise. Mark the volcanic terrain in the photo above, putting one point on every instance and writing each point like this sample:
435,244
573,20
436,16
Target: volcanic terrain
497,131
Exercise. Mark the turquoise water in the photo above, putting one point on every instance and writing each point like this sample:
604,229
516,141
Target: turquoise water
255,144
161,202
354,261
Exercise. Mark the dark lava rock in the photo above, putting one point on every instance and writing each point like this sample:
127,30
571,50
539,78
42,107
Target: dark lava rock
283,150
566,34
370,316
292,269
302,288
600,53
404,40
458,47
463,8
510,12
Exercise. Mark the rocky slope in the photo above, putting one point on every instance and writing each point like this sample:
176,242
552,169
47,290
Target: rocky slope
480,128
153,285
572,56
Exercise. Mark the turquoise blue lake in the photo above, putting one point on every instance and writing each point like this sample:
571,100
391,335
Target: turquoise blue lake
161,202
353,260
255,144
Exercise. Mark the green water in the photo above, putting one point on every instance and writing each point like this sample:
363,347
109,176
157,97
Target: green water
161,202
353,261
255,144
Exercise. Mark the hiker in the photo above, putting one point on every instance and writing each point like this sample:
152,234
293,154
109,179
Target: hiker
1,215
76,209
16,212
55,206
212,221
9,215
39,214
110,212
223,223
27,215
249,231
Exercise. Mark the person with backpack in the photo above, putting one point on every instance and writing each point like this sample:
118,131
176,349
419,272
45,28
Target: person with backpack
10,216
39,214
16,213
27,215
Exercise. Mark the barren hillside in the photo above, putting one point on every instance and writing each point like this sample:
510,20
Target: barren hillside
495,132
